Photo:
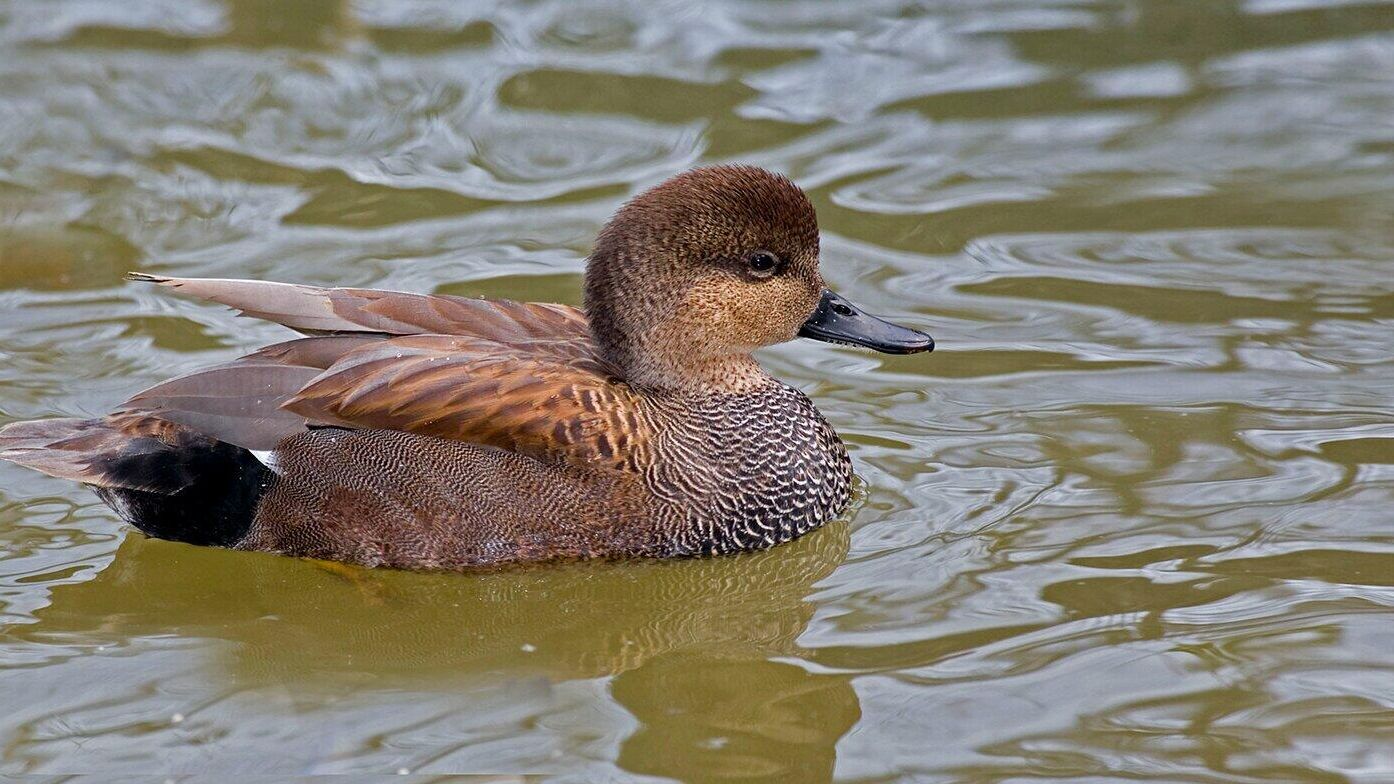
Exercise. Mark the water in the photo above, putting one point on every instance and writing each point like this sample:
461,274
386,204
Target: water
1132,521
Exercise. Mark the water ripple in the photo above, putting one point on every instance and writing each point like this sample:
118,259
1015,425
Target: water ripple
1129,521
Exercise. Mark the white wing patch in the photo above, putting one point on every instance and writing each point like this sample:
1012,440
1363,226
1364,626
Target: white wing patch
267,458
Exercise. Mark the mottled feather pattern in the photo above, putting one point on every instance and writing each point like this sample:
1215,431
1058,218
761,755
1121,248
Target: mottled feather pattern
387,498
720,475
746,471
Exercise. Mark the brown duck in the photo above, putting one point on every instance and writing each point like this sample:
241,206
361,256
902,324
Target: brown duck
439,432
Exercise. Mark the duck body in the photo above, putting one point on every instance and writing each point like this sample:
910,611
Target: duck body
709,483
437,432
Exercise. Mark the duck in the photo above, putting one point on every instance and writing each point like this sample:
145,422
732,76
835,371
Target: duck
438,432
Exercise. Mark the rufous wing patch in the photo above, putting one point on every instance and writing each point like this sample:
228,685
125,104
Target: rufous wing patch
549,399
521,376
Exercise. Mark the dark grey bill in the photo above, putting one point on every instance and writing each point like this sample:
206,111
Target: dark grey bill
838,321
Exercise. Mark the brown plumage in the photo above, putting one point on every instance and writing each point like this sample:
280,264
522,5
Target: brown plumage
420,431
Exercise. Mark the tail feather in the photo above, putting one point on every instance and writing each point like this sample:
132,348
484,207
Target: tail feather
67,449
170,481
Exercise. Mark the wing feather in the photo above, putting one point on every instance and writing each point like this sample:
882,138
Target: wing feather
542,400
80,449
319,310
521,376
240,401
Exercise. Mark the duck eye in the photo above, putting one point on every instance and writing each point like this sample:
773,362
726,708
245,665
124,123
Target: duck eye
762,262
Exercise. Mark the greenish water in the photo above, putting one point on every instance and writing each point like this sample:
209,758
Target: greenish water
1133,521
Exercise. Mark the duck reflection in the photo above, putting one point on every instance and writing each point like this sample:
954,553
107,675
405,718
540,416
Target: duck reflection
688,644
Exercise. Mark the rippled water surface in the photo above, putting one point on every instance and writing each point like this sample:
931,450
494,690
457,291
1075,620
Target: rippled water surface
1133,521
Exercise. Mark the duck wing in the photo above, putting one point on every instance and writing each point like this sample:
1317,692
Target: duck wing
240,401
519,376
550,399
313,310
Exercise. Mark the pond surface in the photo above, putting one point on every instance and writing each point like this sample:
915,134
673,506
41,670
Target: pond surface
1133,521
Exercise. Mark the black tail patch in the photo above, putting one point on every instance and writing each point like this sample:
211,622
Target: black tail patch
168,480
201,494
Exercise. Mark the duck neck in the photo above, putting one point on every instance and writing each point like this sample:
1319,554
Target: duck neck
697,376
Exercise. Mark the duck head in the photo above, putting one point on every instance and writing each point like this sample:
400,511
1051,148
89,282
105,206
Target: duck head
692,275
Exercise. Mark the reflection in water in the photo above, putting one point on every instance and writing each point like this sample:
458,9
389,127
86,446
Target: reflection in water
734,721
302,632
1132,522
293,622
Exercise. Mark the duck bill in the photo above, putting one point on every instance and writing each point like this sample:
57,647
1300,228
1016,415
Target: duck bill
838,321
